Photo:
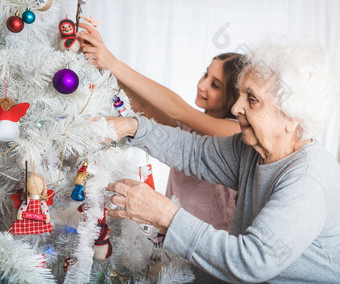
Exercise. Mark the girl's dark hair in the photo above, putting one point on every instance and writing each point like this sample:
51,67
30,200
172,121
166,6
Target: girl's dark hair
232,66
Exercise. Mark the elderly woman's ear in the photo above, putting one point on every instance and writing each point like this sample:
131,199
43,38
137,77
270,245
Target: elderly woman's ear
292,124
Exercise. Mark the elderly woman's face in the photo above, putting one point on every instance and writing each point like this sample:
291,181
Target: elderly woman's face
261,125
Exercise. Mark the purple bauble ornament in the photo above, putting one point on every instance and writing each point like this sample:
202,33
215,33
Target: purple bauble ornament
65,81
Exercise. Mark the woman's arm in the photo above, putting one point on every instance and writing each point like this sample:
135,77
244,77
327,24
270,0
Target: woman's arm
214,159
143,88
277,237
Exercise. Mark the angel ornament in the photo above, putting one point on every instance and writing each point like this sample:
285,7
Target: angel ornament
33,216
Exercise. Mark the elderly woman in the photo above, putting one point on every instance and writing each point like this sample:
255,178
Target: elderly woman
287,220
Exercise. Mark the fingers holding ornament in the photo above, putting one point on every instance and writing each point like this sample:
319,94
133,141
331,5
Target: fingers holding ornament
90,56
118,213
90,35
142,204
122,186
119,200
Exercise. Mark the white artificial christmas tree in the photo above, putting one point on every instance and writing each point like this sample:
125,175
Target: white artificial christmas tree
57,135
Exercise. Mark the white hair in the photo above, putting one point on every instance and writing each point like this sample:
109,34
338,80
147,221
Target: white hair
306,88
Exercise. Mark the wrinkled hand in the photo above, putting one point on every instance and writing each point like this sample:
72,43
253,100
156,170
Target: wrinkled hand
141,204
19,215
93,47
123,126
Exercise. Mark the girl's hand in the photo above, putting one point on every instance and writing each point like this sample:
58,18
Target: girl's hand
123,126
141,204
93,47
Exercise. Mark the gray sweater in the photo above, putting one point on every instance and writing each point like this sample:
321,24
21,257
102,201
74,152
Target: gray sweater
287,220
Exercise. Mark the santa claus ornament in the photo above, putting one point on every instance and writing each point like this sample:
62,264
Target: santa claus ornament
68,39
102,245
33,216
10,114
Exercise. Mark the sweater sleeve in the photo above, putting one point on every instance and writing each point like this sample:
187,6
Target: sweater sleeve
285,227
210,158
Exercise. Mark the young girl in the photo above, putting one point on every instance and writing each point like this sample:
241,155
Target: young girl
216,93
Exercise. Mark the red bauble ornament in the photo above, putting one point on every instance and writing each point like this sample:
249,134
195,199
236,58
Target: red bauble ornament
15,24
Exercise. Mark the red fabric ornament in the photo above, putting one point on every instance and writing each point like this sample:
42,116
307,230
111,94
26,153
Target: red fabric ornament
15,24
31,226
16,197
145,173
15,113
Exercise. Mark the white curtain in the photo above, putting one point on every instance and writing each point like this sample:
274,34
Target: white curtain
173,41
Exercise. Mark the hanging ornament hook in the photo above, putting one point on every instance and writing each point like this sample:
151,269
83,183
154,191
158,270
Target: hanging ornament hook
79,11
7,85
